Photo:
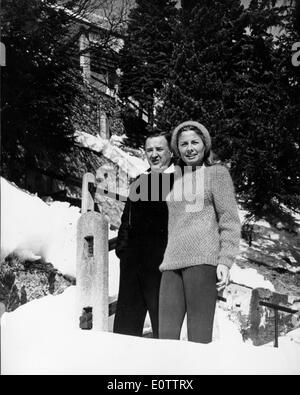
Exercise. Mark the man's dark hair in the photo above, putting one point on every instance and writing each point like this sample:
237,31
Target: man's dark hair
156,132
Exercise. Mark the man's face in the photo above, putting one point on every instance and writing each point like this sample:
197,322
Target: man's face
158,153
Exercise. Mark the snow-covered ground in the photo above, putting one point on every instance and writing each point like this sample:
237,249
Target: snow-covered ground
41,338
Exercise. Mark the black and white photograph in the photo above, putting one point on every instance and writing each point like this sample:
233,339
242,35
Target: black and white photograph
150,190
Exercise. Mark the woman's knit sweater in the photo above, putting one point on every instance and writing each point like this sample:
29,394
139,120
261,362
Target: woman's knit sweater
208,230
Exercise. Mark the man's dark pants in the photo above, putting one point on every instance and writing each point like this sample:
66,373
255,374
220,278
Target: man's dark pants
139,286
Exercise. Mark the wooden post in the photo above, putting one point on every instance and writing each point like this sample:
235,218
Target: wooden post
92,260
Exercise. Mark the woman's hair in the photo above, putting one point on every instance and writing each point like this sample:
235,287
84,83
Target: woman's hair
202,133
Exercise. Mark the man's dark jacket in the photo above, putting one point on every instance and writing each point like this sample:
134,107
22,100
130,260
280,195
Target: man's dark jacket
141,243
143,221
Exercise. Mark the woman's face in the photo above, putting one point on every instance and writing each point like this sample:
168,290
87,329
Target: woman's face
191,148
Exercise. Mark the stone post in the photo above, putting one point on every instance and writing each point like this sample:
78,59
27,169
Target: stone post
262,319
92,260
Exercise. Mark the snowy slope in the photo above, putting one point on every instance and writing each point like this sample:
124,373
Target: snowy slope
34,229
49,343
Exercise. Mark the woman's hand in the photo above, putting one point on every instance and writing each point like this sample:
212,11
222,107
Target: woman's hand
223,277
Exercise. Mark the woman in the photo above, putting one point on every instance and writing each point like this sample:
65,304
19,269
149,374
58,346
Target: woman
203,237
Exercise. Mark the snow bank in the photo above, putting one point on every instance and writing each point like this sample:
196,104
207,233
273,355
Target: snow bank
132,165
34,229
49,343
249,277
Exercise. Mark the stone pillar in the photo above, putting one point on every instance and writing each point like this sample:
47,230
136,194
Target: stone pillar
92,261
262,319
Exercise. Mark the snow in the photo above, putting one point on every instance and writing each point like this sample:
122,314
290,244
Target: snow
249,277
261,222
117,140
34,230
41,337
132,165
50,343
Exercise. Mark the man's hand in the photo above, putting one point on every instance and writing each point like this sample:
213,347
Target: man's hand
223,277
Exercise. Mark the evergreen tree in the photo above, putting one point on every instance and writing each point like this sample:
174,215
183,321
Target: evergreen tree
147,49
136,129
202,61
230,73
40,86
297,17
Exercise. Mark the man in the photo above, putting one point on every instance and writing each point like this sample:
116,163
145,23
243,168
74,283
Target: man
141,243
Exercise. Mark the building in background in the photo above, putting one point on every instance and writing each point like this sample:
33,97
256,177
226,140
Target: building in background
97,41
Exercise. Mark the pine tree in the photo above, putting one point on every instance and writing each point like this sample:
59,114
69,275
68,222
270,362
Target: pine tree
147,49
297,16
136,129
229,73
207,36
40,87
